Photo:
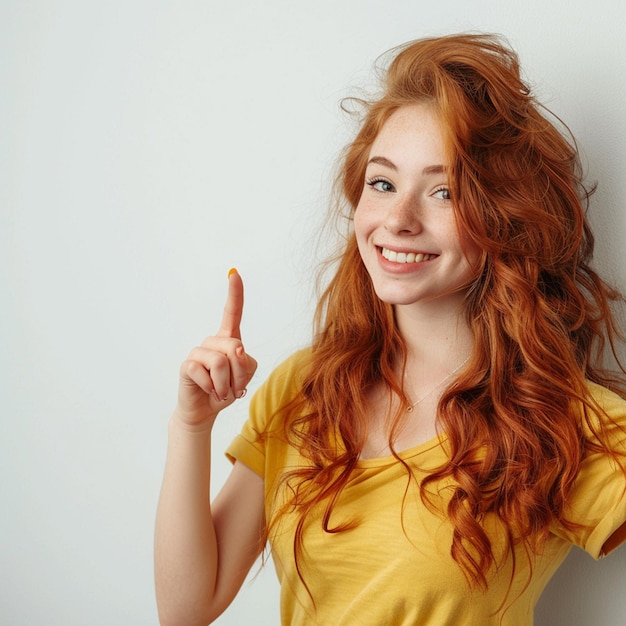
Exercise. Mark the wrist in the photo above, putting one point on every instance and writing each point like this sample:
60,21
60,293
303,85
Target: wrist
179,423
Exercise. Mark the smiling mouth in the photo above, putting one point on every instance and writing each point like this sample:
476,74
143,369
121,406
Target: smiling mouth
405,257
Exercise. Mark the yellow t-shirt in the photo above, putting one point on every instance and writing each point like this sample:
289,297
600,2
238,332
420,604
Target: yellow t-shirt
394,567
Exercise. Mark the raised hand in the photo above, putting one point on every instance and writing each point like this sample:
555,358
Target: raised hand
218,370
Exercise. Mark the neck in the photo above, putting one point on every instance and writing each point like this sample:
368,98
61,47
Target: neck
437,338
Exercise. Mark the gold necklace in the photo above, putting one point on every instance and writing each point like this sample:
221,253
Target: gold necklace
450,375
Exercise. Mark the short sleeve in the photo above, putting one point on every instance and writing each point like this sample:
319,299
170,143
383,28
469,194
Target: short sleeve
282,385
598,499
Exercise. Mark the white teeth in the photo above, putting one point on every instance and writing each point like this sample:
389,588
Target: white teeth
406,257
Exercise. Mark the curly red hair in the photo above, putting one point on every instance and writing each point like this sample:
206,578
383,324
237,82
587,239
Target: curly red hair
540,315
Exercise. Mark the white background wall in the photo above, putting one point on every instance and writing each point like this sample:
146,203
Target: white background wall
145,148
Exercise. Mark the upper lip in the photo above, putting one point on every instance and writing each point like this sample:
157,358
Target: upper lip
403,249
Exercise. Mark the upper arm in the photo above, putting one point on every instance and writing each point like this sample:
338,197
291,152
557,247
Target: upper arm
239,522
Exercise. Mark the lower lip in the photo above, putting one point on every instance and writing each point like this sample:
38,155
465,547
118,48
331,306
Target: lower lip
401,268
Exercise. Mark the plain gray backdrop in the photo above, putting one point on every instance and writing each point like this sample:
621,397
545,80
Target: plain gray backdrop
145,148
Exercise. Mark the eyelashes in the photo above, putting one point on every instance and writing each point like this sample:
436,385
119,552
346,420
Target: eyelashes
382,185
445,191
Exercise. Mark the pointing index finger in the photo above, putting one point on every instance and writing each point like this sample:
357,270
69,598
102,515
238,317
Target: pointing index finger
233,310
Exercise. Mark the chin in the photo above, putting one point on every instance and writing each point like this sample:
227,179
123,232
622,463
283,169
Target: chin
391,297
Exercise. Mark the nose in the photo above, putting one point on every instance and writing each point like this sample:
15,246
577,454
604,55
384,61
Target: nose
403,217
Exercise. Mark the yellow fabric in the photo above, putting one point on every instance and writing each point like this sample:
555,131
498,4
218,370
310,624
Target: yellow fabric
395,566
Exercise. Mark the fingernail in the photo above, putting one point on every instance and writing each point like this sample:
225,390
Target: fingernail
241,394
231,271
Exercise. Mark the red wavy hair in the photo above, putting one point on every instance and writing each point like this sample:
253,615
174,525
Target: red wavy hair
540,315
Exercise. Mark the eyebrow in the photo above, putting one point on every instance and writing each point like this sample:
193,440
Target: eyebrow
379,160
430,169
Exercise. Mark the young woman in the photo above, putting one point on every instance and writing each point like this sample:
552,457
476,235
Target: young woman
451,432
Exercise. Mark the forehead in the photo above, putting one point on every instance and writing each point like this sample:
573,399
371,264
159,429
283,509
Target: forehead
411,132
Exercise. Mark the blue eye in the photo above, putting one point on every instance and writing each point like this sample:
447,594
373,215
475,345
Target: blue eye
380,184
443,193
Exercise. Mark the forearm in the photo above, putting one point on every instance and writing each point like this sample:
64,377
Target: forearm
185,540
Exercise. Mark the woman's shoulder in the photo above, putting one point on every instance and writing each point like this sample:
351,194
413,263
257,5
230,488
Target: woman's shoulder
606,398
604,394
283,383
291,370
609,412
295,362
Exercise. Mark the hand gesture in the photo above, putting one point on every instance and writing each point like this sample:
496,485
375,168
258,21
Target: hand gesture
218,371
